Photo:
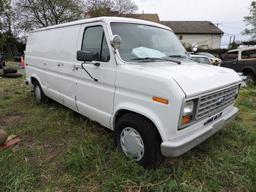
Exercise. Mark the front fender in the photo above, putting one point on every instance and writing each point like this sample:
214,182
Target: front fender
144,111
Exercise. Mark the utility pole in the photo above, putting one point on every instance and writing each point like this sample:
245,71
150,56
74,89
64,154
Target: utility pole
230,40
234,39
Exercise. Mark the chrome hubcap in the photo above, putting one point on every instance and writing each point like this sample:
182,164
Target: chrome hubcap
38,93
132,143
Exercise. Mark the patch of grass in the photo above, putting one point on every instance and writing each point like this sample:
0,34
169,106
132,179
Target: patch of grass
16,174
64,151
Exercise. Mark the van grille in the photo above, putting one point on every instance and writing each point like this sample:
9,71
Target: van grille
215,102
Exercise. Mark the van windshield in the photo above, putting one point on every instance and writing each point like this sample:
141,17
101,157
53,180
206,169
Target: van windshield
144,42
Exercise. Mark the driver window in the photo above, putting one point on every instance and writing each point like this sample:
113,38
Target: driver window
94,40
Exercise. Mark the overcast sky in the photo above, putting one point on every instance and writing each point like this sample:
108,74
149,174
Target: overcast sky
228,13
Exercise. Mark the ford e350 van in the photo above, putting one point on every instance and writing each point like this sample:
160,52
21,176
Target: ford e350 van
135,78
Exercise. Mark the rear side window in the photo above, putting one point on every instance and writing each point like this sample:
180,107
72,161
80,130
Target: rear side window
94,40
250,54
232,56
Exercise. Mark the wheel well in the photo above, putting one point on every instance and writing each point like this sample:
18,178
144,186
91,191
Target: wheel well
122,112
34,80
248,71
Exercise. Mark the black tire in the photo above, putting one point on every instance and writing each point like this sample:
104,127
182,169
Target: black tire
39,94
12,75
152,154
9,70
251,79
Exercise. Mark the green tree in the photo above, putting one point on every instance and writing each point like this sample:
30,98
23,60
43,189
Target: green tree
8,38
42,13
251,21
96,8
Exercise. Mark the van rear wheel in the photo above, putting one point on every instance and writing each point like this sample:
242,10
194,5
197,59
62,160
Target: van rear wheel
138,139
39,94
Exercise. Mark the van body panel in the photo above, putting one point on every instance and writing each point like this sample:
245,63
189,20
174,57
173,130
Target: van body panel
143,89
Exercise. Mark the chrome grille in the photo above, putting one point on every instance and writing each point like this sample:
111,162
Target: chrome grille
215,102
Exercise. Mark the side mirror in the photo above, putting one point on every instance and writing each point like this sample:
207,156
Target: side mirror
84,56
116,41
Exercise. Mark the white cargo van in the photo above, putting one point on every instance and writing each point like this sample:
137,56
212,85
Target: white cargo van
135,78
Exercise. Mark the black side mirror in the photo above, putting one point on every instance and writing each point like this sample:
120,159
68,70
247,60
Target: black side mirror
84,56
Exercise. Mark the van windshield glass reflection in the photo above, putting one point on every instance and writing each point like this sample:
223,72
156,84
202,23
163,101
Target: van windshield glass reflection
141,42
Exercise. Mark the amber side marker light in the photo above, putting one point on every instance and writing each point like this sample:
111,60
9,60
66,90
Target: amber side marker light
160,100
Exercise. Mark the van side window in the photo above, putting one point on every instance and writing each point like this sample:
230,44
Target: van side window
250,54
94,40
231,56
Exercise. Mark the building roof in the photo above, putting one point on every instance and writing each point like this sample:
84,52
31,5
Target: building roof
145,16
193,27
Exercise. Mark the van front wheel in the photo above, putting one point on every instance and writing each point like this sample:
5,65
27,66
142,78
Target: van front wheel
138,139
39,94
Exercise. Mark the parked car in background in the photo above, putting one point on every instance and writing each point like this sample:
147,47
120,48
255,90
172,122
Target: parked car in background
242,60
214,60
135,78
201,59
2,60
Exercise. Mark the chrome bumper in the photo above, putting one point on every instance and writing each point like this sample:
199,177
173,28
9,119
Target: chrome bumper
177,147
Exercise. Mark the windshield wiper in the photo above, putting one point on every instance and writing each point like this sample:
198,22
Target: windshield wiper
181,56
178,56
155,59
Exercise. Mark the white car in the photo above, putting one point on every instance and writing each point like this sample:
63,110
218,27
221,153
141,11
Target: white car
201,59
214,60
135,78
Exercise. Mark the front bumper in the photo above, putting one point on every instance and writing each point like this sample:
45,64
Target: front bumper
180,145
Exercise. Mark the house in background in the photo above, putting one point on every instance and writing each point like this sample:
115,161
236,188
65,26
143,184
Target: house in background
203,33
145,16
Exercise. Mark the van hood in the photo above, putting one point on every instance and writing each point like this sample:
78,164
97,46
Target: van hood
192,78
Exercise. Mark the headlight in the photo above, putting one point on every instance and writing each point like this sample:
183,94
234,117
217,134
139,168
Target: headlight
188,108
188,113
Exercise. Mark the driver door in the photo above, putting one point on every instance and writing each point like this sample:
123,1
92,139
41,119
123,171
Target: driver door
94,99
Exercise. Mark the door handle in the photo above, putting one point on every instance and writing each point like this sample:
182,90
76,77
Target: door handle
76,67
97,64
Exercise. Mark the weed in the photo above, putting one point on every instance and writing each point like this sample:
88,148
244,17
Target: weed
64,151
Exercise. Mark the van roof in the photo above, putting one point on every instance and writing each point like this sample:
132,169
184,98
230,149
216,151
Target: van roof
102,19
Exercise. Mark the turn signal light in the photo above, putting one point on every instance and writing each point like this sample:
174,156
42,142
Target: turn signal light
160,100
186,119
